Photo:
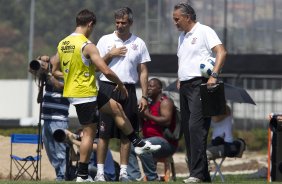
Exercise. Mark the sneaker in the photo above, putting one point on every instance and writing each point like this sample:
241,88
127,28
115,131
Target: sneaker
242,147
147,148
123,177
99,177
192,180
140,179
185,180
79,179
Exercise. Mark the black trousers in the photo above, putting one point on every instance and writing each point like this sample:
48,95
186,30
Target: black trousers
195,127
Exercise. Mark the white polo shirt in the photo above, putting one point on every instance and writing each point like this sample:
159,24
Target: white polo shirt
194,47
223,129
125,66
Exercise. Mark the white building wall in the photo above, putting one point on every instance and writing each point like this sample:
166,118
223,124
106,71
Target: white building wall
14,100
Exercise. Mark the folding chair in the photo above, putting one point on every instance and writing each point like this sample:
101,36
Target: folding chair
220,156
26,165
217,168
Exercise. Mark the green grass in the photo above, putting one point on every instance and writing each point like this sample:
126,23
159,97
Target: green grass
228,179
239,179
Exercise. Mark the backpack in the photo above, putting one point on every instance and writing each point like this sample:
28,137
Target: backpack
177,133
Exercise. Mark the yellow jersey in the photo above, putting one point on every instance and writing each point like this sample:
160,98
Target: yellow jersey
79,72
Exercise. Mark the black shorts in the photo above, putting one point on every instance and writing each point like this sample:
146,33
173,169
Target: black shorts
87,113
107,127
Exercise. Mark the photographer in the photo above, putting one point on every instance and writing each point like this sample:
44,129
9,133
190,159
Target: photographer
54,114
75,139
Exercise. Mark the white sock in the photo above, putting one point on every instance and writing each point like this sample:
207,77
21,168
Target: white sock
123,169
100,169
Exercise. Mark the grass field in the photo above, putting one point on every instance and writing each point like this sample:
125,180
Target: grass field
228,179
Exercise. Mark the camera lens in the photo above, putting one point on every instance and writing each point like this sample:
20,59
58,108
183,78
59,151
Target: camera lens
59,135
35,65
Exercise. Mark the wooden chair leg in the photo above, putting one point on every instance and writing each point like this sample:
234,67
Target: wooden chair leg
166,170
169,169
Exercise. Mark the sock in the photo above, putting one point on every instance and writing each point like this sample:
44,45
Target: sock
82,170
100,169
135,140
123,169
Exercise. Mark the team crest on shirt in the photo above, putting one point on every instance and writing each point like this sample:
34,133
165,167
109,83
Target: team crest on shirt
194,40
110,47
134,46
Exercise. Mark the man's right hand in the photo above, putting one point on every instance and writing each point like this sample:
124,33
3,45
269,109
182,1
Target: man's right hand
121,51
122,89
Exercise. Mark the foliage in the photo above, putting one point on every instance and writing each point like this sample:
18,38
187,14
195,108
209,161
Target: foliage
255,139
27,130
114,144
53,20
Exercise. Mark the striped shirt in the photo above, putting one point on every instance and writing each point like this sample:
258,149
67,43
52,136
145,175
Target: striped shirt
54,106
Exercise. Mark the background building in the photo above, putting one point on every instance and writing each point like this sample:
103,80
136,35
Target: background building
250,29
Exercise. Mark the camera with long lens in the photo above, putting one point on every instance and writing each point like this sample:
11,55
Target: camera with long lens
39,67
60,135
35,65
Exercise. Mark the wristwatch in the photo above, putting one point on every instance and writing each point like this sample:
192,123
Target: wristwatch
214,75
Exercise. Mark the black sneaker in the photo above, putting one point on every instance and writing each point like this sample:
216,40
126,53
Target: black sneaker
242,147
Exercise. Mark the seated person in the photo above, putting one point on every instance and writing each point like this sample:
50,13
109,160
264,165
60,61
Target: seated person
222,144
110,174
159,115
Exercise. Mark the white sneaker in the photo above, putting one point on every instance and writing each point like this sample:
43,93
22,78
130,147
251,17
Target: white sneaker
147,148
123,177
79,179
99,177
139,179
192,180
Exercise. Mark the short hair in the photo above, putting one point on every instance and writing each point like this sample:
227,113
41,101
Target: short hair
120,13
84,17
186,9
159,82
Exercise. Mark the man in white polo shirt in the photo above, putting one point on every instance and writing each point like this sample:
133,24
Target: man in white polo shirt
127,55
196,42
